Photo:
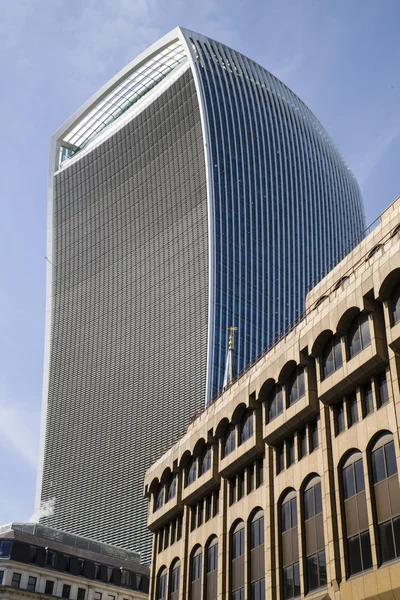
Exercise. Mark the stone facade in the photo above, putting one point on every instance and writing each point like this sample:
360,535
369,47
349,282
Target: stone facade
288,484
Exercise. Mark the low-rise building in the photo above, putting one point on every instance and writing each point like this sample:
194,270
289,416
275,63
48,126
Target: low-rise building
288,484
41,561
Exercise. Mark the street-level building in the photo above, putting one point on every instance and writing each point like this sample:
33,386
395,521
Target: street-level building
40,561
288,484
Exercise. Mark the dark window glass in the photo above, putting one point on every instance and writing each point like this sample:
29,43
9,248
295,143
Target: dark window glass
289,514
159,498
172,488
368,400
50,558
395,305
358,335
291,581
348,482
200,514
97,570
275,405
81,566
302,441
212,557
258,590
378,465
49,587
162,586
390,456
31,586
205,461
359,476
1,577
191,471
259,472
352,410
312,501
296,386
208,508
193,517
215,503
246,427
313,433
238,543
81,594
179,528
387,545
290,451
5,547
340,423
232,491
238,594
240,485
175,577
32,554
196,566
280,458
360,557
16,580
67,562
331,357
66,591
257,533
250,478
382,390
229,440
316,571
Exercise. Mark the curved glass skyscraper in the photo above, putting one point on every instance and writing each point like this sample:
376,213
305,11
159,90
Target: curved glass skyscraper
193,192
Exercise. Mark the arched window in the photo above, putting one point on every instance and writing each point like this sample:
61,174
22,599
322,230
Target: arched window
386,497
331,358
237,562
229,440
394,305
246,426
172,486
175,579
195,574
162,584
356,524
159,497
257,570
290,547
314,542
296,386
275,403
358,336
212,570
205,460
191,470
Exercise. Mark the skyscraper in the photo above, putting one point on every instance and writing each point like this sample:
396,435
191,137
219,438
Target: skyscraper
193,192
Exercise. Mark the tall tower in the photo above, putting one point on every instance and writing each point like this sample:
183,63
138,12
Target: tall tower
193,192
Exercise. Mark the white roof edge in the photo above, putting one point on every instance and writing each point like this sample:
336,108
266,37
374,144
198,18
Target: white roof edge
174,34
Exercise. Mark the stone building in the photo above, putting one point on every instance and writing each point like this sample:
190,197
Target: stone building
41,561
288,485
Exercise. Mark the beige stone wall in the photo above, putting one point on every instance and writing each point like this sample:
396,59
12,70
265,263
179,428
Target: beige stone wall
371,271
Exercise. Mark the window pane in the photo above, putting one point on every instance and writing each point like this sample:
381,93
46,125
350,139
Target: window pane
339,417
302,437
396,529
391,465
365,334
338,353
296,579
378,465
395,305
355,565
318,499
255,538
279,396
288,583
285,516
382,390
359,476
312,572
328,360
387,542
300,383
309,504
348,482
368,400
322,568
353,409
366,550
354,339
293,512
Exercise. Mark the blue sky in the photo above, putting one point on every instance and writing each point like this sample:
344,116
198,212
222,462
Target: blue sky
341,58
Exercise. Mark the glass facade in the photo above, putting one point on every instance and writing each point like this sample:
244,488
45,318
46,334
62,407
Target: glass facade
285,204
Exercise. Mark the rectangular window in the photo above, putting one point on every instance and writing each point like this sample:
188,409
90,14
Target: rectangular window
208,508
179,528
290,451
260,471
31,586
215,503
232,491
51,558
193,518
97,596
5,547
302,443
66,591
291,581
382,390
32,554
200,514
97,570
1,577
313,436
352,409
240,485
258,590
340,422
81,594
49,587
173,532
250,478
316,571
67,562
367,400
16,580
81,566
359,551
166,536
280,458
